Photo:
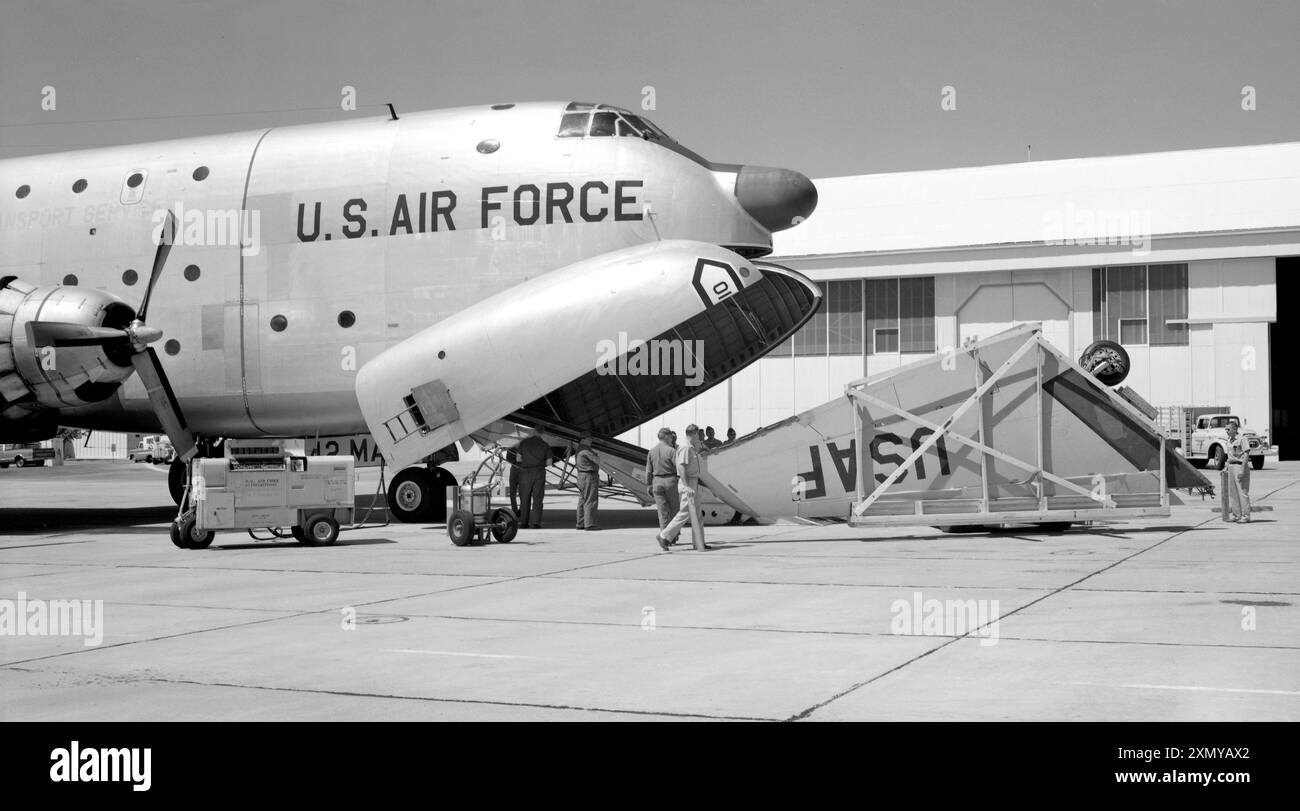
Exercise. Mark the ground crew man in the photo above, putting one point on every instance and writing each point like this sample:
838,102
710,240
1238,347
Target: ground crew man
512,457
731,436
710,438
587,463
534,458
661,477
687,461
1237,473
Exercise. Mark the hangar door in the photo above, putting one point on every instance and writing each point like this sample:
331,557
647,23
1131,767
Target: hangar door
996,307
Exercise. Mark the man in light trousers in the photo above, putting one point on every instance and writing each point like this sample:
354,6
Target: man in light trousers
1237,474
661,477
687,460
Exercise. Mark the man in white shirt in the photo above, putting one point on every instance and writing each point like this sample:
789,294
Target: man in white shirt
1237,473
687,459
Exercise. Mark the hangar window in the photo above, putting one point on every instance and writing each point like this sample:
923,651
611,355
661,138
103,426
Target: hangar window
1139,305
916,314
900,315
844,317
878,316
811,338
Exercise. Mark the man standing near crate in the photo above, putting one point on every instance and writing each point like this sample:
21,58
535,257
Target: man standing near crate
534,458
587,464
1237,475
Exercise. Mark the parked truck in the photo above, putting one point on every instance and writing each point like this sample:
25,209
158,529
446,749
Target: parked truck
1201,433
26,453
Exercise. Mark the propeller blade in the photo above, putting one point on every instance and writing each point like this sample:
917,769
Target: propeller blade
164,403
58,333
165,239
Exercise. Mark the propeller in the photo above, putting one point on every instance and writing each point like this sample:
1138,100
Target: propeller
143,357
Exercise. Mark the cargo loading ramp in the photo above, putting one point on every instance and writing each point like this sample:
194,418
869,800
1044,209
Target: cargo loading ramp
1025,436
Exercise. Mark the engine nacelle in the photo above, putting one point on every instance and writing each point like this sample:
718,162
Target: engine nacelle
34,378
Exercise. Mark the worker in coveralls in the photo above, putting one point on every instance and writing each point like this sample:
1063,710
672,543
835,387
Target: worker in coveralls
534,458
587,463
661,477
1237,475
512,458
687,461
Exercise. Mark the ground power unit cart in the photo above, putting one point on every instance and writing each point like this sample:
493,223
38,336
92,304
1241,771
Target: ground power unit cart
260,486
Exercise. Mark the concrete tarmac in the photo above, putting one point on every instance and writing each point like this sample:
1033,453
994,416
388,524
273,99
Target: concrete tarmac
1186,618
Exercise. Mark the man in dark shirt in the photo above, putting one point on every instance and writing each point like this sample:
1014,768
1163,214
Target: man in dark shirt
587,463
534,458
661,477
512,459
710,438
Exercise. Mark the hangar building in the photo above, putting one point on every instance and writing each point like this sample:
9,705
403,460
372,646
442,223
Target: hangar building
1179,256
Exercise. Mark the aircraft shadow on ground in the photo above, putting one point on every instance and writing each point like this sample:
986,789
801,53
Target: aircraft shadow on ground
290,543
44,520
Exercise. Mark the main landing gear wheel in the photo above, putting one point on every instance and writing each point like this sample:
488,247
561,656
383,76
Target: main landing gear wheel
176,480
186,534
415,495
505,526
460,526
1107,361
321,530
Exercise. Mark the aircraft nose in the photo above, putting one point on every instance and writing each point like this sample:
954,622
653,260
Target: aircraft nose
777,198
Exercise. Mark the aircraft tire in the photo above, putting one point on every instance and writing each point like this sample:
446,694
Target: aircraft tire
176,481
188,531
177,540
415,495
1111,351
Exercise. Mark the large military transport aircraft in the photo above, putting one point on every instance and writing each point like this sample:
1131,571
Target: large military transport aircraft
419,277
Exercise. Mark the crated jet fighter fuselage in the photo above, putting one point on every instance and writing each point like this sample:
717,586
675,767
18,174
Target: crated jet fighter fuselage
416,277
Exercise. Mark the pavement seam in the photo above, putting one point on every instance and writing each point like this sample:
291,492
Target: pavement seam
808,711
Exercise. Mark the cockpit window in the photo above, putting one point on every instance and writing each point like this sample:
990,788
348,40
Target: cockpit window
649,130
605,120
583,120
603,123
573,125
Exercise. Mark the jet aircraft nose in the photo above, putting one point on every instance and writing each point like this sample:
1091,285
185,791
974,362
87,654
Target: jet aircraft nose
777,198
